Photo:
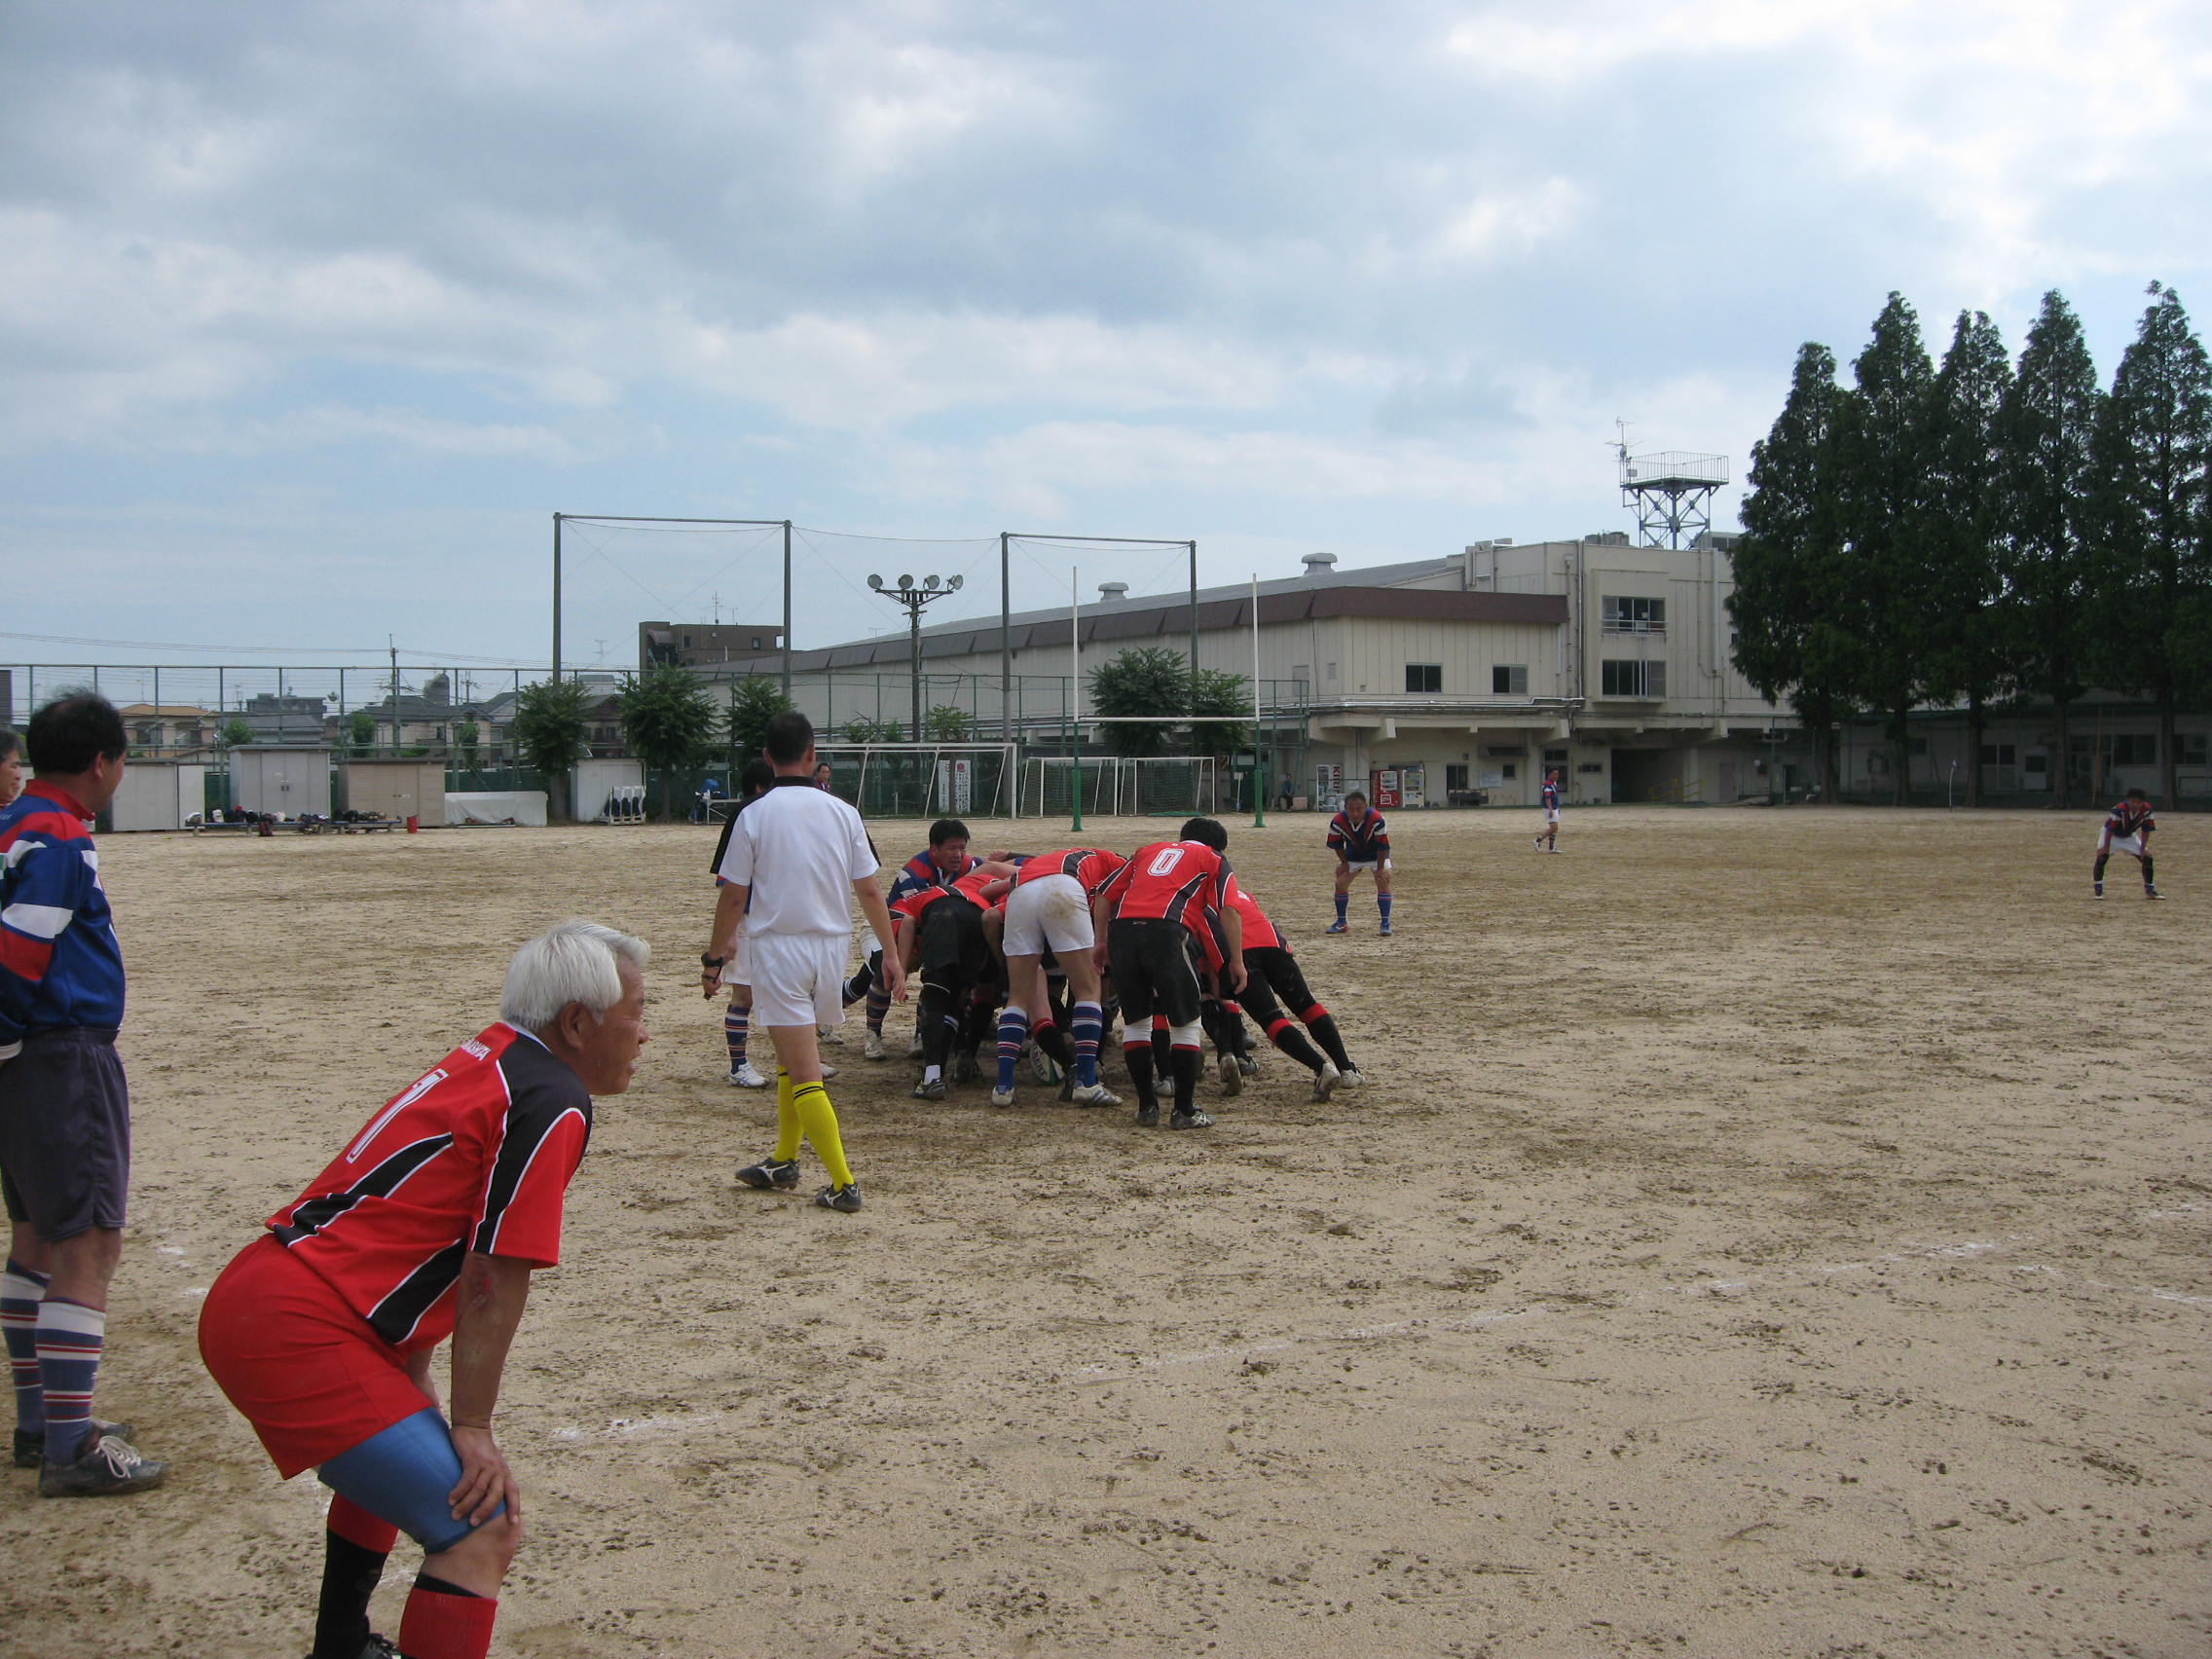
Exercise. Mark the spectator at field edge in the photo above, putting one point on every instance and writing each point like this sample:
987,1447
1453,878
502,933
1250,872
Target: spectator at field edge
11,765
64,1106
321,1329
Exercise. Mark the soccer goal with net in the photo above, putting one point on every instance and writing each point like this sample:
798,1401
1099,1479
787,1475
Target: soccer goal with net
924,779
1119,787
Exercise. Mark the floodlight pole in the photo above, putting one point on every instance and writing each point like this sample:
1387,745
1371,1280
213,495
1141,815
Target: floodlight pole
915,599
557,598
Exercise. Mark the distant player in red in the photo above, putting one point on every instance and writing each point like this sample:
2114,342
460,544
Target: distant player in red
1148,918
1357,838
1551,810
2128,830
941,932
427,1224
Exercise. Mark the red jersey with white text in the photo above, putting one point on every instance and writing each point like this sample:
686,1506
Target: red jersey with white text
2130,818
1092,866
475,1155
1175,881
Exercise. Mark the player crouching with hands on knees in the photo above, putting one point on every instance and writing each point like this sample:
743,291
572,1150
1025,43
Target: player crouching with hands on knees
429,1223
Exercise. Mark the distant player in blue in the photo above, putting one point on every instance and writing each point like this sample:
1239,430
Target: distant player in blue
1550,831
1360,842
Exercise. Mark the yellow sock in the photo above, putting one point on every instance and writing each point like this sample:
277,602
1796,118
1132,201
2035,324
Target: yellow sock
786,1119
820,1118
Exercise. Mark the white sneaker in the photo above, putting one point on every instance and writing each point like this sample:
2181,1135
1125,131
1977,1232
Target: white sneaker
745,1077
829,1072
914,1049
872,1049
1002,1097
1324,1084
1350,1079
829,1034
1097,1094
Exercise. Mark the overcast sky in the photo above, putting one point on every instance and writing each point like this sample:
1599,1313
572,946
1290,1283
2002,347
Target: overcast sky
317,312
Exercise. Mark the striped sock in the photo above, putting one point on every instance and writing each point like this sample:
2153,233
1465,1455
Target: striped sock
20,1293
1088,1025
1342,900
737,1026
1382,902
1014,1031
70,1336
878,1004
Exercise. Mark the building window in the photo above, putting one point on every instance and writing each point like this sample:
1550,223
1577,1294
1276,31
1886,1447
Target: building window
1617,679
2190,747
1555,756
1454,778
1629,616
756,641
1424,677
1331,671
2000,754
1509,680
2135,749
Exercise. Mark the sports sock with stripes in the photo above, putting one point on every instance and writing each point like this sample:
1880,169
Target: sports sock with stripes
1383,903
444,1621
355,1549
20,1293
70,1336
1088,1026
1323,1026
819,1120
878,1004
737,1026
1285,1035
787,1119
1342,898
1014,1031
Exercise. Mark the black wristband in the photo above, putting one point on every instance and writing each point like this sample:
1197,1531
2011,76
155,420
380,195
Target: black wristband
705,961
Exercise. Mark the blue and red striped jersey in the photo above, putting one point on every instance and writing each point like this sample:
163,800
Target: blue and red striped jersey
2130,818
60,963
1364,842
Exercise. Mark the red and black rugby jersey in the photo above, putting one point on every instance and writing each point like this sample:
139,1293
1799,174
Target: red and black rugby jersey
1092,866
475,1155
968,887
1259,932
1364,842
1175,881
2130,818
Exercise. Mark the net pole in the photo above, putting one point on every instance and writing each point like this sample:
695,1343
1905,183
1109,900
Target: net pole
1006,642
1259,764
786,610
1074,690
556,599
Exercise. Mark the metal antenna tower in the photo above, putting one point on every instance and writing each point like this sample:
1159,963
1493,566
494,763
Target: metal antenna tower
1671,490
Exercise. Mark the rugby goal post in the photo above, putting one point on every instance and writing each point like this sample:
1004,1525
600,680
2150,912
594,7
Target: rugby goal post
924,779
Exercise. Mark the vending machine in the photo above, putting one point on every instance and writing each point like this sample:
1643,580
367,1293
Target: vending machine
1384,789
1413,786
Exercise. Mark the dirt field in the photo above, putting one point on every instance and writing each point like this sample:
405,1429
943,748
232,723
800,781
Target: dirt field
1766,1234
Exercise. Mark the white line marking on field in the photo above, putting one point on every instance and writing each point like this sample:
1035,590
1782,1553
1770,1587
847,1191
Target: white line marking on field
642,1429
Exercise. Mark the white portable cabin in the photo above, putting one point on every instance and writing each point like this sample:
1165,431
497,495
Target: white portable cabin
158,794
593,783
289,782
396,788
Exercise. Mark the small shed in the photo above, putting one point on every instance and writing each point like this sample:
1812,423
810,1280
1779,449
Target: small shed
290,780
395,789
158,794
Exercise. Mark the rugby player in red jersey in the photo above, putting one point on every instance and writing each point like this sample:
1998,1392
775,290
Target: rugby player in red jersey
1165,899
1272,972
427,1224
1047,908
2128,830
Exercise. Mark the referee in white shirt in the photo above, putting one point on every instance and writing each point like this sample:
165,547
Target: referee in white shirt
806,853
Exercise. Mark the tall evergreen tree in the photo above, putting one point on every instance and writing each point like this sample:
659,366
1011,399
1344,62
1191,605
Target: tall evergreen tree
1883,439
1965,656
2151,571
1788,643
2044,434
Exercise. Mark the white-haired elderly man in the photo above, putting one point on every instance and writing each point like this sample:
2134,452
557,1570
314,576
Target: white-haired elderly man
429,1223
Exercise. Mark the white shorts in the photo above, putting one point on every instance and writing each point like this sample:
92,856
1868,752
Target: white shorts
1551,815
2108,842
734,971
798,978
1048,913
1371,863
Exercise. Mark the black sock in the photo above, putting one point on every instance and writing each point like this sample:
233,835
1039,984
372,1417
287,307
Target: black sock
1187,1063
1163,1053
1055,1041
1138,1058
1325,1033
351,1574
2148,879
2098,875
933,1022
1292,1042
437,1586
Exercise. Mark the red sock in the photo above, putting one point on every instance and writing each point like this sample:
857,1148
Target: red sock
356,1525
442,1626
